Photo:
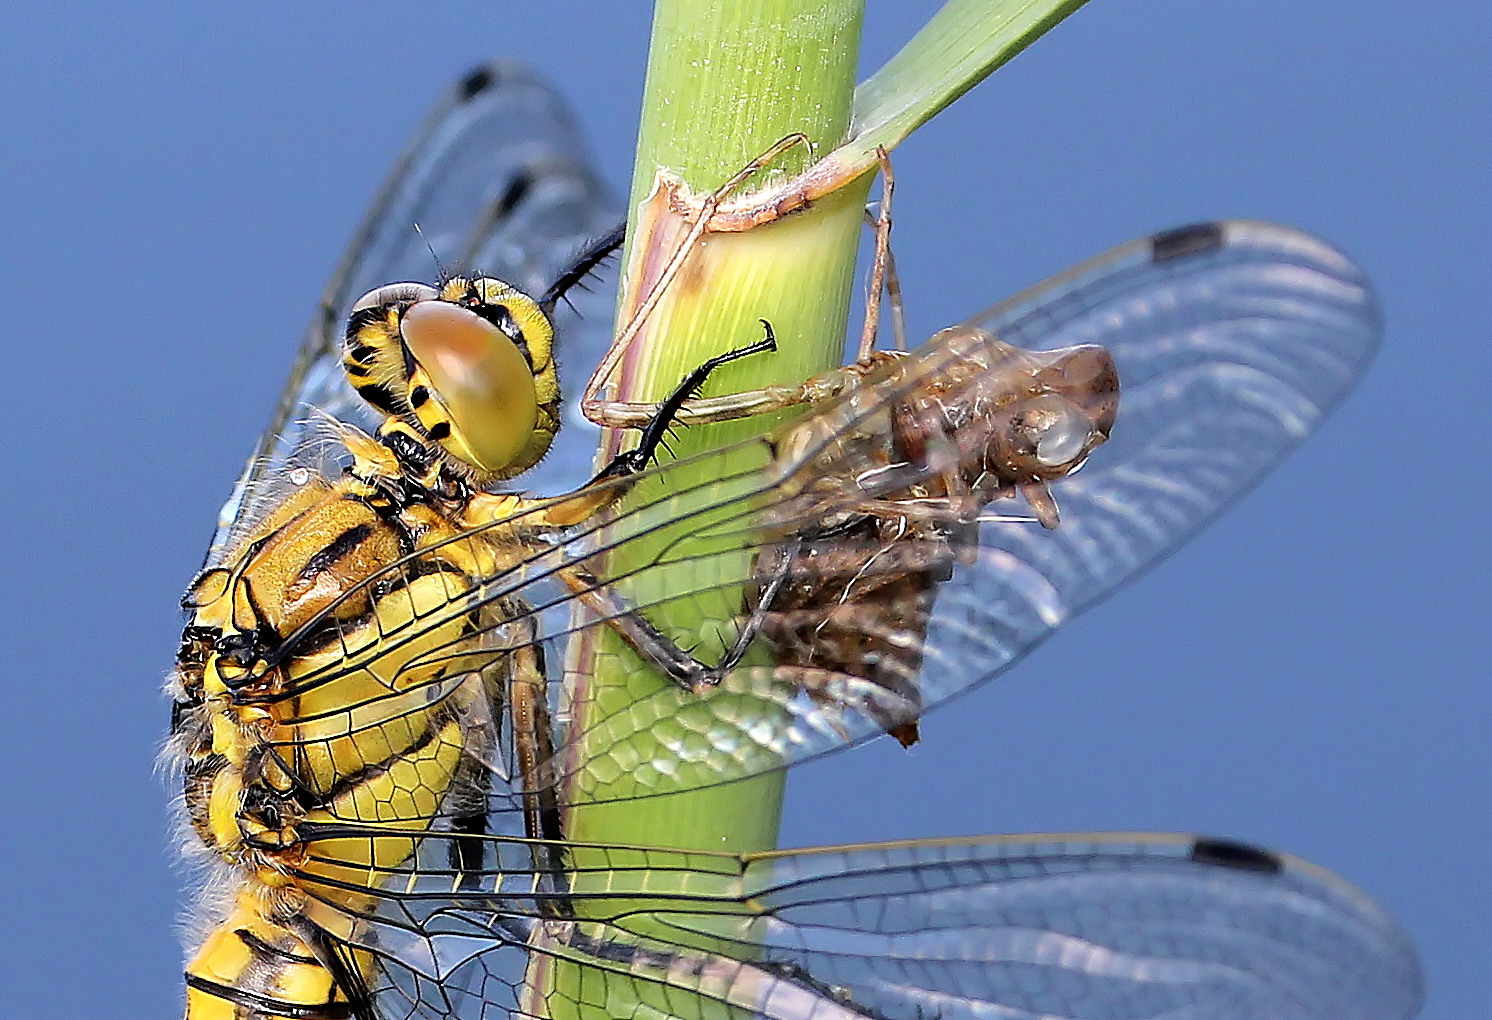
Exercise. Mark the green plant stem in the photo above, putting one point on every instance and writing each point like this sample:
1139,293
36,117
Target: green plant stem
726,80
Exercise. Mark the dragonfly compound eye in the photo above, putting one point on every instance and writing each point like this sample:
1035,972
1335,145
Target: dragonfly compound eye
1040,438
472,390
1059,432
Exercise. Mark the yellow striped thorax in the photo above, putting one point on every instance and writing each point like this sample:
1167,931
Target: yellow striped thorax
468,368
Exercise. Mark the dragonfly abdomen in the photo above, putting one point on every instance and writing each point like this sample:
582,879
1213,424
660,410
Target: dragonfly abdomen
252,967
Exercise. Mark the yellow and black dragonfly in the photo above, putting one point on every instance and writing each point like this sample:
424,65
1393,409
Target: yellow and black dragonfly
380,748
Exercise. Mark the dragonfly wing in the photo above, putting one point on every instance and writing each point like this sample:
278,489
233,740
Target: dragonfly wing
496,181
1232,341
1102,926
1107,926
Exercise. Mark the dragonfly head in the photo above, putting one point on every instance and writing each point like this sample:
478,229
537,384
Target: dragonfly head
1069,412
1050,431
469,367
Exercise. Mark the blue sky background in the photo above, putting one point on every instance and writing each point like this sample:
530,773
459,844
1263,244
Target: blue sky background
1310,674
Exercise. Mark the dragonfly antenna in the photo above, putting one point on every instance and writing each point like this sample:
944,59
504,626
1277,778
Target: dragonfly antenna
439,266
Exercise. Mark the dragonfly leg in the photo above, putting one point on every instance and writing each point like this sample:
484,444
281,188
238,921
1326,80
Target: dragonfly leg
634,415
887,693
882,224
514,686
747,404
666,415
657,648
533,743
591,401
582,266
883,275
623,414
528,708
493,510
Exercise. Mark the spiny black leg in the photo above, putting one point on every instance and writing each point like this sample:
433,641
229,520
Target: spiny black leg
653,433
737,651
581,267
682,667
652,644
663,418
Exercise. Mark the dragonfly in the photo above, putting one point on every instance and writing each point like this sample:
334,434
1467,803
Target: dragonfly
378,784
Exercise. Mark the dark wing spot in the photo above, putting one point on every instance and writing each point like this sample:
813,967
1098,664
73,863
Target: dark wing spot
516,191
475,83
1189,240
1225,853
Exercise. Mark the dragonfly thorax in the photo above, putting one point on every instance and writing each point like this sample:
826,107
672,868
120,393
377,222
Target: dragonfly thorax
468,368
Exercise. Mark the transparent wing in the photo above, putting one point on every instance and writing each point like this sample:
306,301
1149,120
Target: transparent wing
1117,926
1232,342
496,181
